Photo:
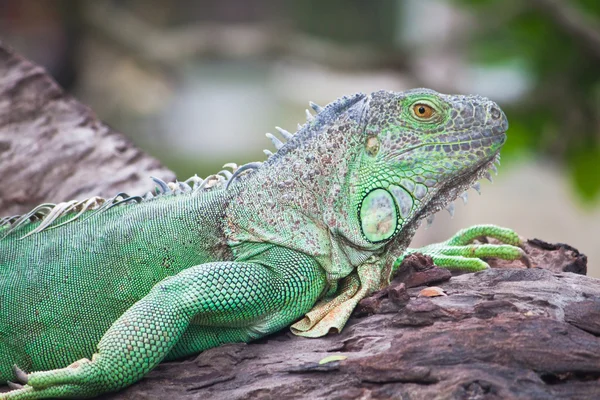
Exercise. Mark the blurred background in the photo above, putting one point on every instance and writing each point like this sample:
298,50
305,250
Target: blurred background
198,83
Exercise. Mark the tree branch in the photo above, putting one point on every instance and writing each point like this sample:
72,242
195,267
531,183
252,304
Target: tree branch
53,148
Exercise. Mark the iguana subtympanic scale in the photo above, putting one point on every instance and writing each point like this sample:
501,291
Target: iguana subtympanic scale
94,294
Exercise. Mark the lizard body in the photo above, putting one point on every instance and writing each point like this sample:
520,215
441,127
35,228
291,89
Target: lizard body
96,293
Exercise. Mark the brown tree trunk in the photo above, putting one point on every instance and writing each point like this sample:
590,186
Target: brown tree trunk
53,148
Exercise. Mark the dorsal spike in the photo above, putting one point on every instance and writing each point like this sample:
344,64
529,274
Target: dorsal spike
315,107
137,199
465,197
14,386
287,135
42,209
164,188
173,186
184,187
195,180
241,169
430,219
276,142
202,185
268,153
109,202
299,126
309,116
57,211
488,176
5,221
85,205
477,187
231,165
450,209
225,174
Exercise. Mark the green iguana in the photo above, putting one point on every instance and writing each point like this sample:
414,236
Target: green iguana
96,293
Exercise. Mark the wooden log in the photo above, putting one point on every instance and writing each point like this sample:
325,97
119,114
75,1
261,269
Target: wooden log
53,148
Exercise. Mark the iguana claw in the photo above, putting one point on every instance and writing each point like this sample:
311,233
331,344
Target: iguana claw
14,386
20,374
525,260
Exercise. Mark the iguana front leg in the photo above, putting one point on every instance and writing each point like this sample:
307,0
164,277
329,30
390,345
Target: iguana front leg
330,315
246,299
459,252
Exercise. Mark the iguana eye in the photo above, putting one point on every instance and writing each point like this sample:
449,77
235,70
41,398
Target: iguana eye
423,111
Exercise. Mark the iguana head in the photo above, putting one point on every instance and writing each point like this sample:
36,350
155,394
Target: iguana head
364,171
421,150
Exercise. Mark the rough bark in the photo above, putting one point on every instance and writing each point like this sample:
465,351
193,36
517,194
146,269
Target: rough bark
53,148
510,332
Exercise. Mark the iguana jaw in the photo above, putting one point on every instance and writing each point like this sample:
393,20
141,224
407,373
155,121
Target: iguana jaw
447,194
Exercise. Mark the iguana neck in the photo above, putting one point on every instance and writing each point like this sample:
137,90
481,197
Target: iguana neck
300,199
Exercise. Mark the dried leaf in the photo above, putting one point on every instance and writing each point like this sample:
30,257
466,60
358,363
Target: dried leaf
332,359
432,291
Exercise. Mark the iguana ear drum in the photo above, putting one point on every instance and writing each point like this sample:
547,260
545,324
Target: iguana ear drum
378,216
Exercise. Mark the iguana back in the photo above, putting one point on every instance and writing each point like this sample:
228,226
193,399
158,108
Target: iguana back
60,289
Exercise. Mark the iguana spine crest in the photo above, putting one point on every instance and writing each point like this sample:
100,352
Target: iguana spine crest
49,213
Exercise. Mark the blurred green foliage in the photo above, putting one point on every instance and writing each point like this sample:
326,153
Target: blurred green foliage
356,21
560,117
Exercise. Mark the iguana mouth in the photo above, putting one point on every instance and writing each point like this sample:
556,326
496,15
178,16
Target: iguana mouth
497,139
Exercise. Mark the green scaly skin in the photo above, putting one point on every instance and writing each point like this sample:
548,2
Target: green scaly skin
94,304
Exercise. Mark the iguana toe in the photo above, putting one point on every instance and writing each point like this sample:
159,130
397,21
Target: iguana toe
460,251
